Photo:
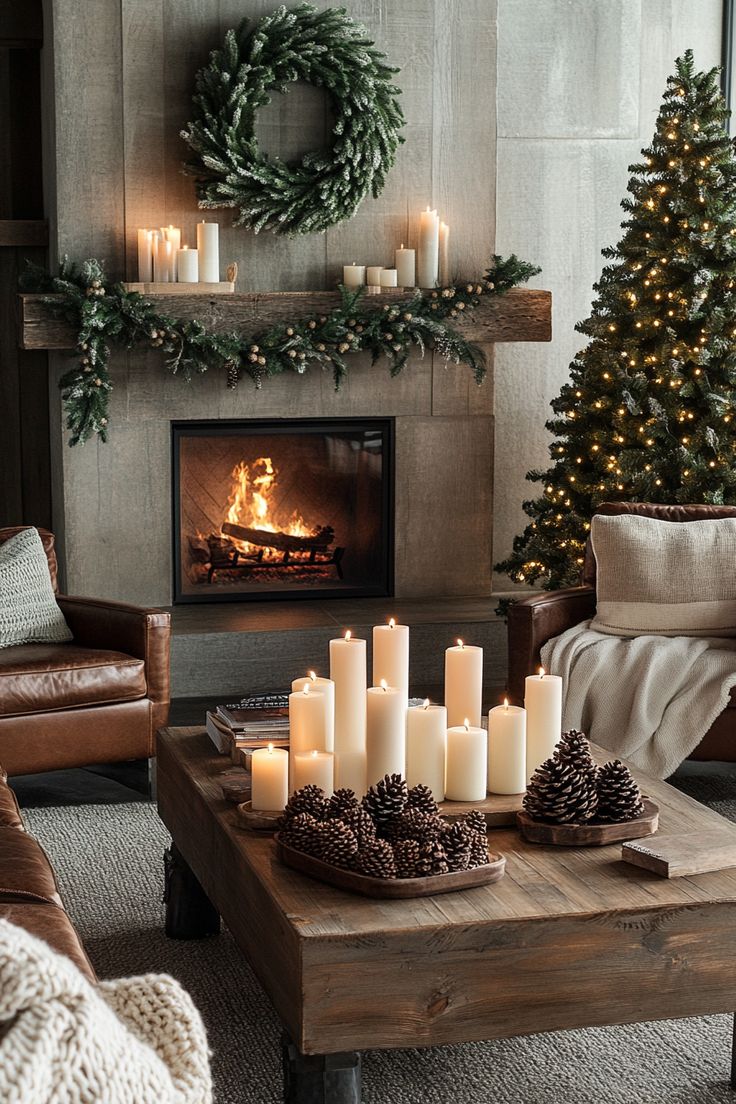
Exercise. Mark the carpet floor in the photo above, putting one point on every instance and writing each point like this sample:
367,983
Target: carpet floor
108,858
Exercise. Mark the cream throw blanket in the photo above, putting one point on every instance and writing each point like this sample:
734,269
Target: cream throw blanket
66,1041
649,699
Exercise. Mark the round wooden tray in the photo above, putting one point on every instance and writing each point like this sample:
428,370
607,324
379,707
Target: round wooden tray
260,820
391,888
590,835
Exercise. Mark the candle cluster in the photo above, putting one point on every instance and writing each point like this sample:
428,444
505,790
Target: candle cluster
162,259
426,267
345,734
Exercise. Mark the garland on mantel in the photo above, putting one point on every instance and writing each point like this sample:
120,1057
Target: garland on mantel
106,316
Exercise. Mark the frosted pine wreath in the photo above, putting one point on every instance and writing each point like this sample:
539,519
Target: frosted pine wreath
326,49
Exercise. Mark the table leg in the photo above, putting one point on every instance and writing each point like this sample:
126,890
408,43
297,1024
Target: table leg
189,912
319,1078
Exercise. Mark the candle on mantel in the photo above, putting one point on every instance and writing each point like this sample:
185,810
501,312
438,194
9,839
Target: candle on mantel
507,749
389,278
353,275
173,235
145,256
444,254
405,261
426,747
269,778
313,768
467,763
348,670
463,683
161,260
543,702
208,248
327,688
385,740
187,265
391,656
428,253
373,275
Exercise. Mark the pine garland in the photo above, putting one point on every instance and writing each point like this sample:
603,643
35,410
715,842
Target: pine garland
105,316
326,49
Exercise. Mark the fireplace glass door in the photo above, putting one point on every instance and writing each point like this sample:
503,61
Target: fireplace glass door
282,508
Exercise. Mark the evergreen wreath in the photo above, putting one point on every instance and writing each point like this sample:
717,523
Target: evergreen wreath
326,49
105,315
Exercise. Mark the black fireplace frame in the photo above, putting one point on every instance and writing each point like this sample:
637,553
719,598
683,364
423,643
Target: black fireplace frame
283,426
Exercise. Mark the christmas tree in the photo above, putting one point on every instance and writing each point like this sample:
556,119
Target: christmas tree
648,414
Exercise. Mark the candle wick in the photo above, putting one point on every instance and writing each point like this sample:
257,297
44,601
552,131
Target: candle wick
426,703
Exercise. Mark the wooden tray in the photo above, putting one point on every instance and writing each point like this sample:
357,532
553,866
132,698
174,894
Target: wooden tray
391,888
258,820
590,835
499,809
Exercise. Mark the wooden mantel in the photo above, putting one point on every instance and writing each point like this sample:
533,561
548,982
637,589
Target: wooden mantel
520,315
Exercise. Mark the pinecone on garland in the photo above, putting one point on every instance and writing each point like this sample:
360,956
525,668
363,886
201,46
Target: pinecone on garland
233,375
574,749
478,849
309,799
619,797
476,821
406,856
457,842
385,801
341,802
432,859
414,824
421,797
361,825
338,844
561,794
376,860
302,833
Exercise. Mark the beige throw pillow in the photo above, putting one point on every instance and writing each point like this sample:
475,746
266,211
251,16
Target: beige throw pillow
28,610
667,578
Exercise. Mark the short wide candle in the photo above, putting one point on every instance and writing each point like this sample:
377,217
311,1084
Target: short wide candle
543,702
269,778
326,687
307,720
385,741
312,768
467,763
426,747
463,684
507,749
353,275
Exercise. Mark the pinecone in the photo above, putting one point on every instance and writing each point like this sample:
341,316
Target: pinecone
360,824
478,849
338,844
619,797
233,375
385,801
302,833
414,824
309,799
342,801
376,860
457,842
476,821
421,797
561,794
406,856
432,859
574,749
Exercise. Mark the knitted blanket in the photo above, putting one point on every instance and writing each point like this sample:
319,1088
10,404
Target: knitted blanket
65,1041
649,699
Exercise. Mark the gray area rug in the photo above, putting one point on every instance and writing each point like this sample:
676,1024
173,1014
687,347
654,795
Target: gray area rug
108,860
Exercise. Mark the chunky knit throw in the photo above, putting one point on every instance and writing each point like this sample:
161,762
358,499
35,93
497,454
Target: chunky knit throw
65,1041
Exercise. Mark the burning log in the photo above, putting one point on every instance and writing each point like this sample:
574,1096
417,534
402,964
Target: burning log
319,542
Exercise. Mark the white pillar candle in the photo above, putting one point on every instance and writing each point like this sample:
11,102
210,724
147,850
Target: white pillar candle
161,261
405,261
348,671
543,702
373,275
385,741
312,768
429,246
464,684
173,235
426,747
353,275
507,749
467,763
208,247
391,656
269,778
327,688
187,265
444,254
307,720
389,277
145,256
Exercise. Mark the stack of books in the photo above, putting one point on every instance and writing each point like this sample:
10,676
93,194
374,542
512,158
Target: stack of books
255,721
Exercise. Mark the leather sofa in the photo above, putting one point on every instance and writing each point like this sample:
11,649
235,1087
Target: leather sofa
98,699
535,620
29,895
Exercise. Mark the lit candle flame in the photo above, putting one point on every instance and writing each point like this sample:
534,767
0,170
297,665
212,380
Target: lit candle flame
505,703
313,676
384,684
306,688
460,643
391,623
348,634
541,672
426,704
466,722
270,749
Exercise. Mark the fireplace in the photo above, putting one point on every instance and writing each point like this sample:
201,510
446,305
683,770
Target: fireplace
282,508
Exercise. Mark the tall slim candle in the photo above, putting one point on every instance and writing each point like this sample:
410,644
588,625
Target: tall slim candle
391,656
327,689
543,702
173,235
145,256
208,247
348,670
444,254
307,720
429,247
467,763
507,749
426,747
464,684
385,732
161,261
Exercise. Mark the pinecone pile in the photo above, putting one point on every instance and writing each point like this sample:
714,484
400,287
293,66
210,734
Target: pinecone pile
392,833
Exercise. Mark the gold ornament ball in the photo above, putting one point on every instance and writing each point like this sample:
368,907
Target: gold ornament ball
261,360
292,353
289,332
312,325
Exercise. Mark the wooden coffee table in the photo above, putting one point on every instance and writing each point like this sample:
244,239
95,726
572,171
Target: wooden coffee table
568,938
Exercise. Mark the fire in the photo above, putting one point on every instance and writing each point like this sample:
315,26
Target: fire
251,502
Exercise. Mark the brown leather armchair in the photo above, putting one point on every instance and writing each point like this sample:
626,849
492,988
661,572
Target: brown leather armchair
97,699
535,620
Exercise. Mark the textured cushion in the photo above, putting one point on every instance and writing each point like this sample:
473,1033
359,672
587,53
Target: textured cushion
37,678
664,578
28,609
